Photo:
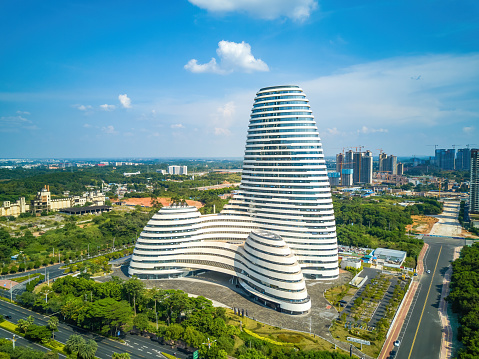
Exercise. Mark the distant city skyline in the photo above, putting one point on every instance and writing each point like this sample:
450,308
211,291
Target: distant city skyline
84,79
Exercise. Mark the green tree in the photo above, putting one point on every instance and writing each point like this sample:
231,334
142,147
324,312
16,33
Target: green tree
38,333
212,352
88,350
174,332
23,324
74,343
110,315
134,288
193,337
53,325
120,356
252,354
141,322
77,345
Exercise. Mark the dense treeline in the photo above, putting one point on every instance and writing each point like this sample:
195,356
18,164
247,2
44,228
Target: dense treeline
71,240
460,217
174,316
374,223
464,297
21,352
26,183
426,206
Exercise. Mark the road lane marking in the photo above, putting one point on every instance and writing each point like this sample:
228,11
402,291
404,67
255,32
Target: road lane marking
425,301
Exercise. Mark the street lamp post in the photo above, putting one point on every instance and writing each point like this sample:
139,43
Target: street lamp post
14,339
209,343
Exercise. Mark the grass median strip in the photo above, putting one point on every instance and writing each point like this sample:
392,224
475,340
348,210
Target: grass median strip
10,327
50,344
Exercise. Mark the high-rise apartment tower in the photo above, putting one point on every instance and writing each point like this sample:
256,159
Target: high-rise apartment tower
474,183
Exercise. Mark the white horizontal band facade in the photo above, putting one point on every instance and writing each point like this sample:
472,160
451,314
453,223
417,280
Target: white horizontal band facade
284,193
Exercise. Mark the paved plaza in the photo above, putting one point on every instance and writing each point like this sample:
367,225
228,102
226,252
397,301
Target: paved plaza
219,288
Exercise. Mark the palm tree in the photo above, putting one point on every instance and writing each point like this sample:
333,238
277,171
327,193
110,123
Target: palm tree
74,343
88,349
53,325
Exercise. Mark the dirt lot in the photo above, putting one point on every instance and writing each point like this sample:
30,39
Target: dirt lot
468,234
421,224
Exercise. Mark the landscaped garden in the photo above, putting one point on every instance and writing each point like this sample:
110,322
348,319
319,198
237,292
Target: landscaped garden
358,322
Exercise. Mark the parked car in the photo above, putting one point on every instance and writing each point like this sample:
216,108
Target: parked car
428,271
397,343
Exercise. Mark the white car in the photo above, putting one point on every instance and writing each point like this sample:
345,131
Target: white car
428,271
397,343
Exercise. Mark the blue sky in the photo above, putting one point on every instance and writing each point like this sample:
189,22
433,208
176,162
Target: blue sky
158,78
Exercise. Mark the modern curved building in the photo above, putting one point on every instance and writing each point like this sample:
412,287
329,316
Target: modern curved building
279,227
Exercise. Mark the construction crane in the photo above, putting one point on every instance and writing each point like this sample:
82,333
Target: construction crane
454,146
435,147
471,144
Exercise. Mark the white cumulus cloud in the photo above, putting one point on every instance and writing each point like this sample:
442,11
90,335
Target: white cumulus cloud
23,112
365,129
82,107
177,125
125,101
15,124
109,129
222,131
298,10
224,118
333,131
106,107
233,57
468,129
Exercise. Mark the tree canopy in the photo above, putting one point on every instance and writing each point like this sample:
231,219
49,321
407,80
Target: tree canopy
464,297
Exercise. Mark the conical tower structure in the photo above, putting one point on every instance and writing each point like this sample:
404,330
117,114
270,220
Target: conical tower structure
284,186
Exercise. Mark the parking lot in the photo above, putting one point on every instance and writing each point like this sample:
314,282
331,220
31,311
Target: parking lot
375,309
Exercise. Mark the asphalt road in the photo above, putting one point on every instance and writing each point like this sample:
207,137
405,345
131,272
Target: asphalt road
421,334
53,272
138,347
24,342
